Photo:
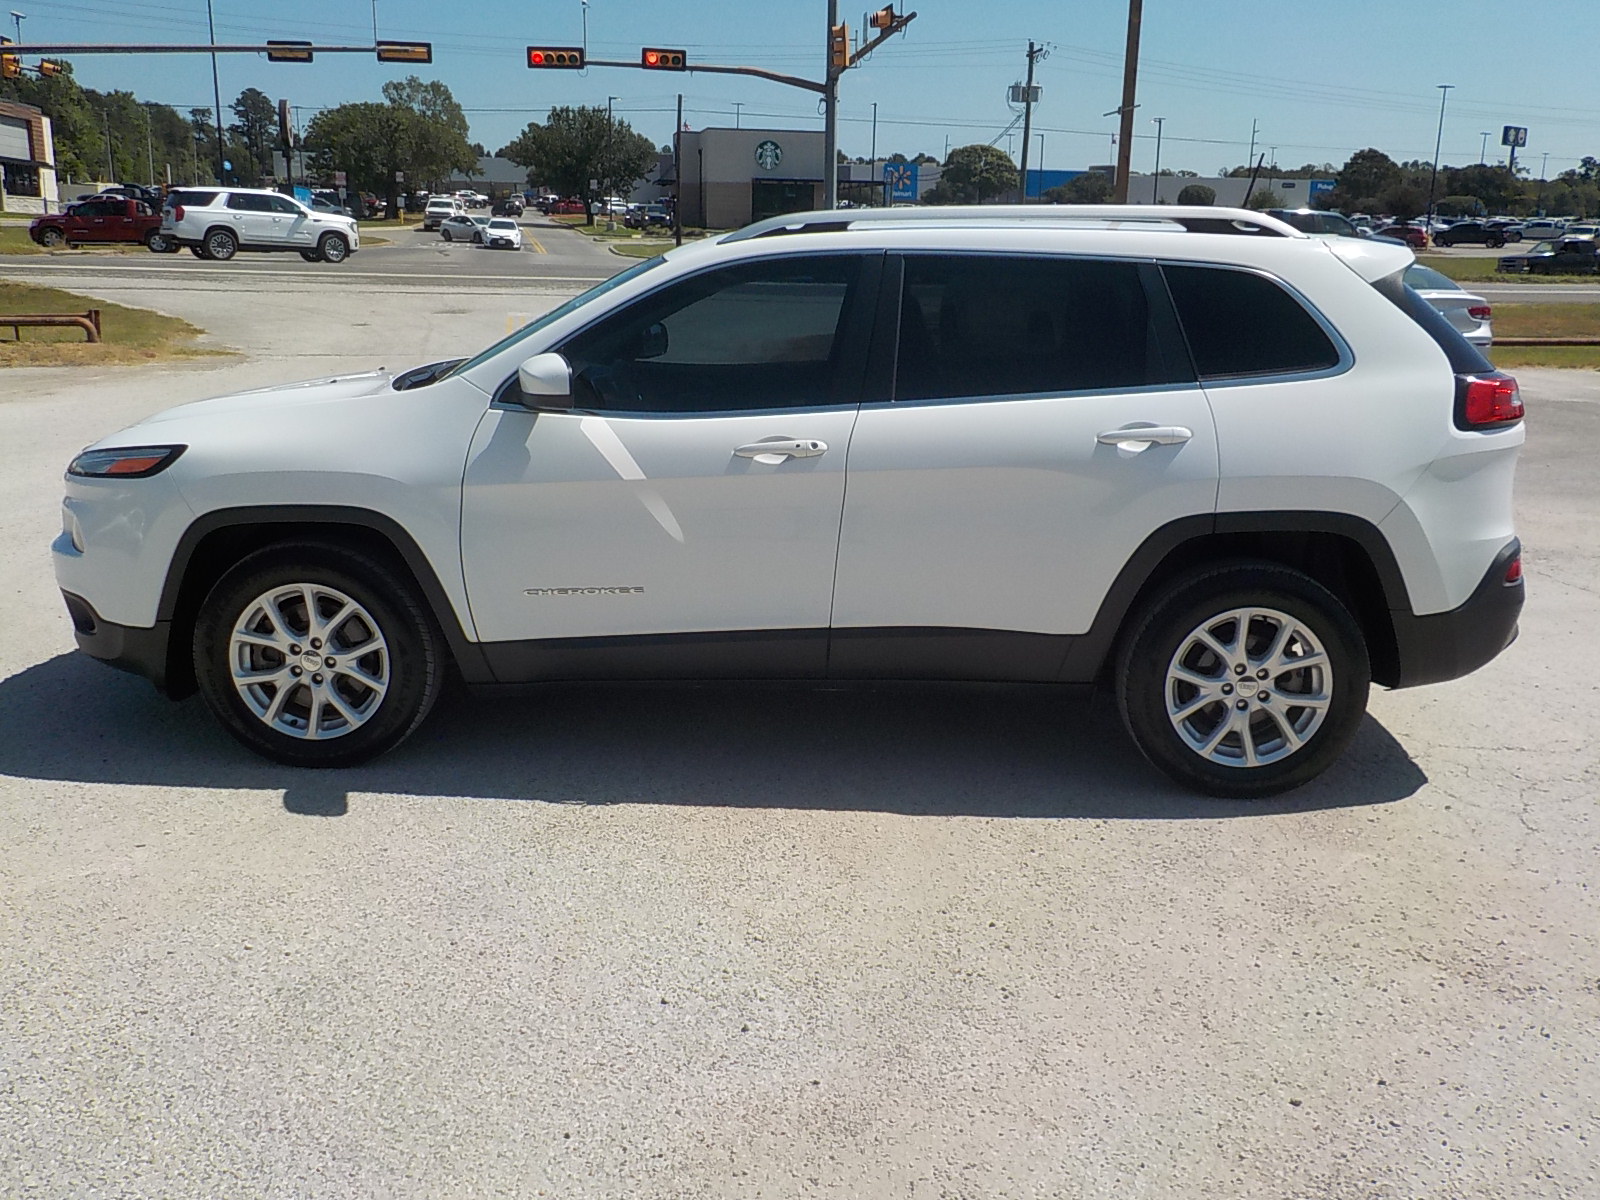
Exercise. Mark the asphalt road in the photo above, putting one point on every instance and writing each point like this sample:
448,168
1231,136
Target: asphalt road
705,942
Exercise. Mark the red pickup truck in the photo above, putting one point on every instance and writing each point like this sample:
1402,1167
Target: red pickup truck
102,220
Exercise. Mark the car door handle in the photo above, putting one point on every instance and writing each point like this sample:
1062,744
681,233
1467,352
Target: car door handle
1159,435
779,449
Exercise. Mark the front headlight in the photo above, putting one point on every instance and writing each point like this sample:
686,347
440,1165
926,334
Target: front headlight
125,462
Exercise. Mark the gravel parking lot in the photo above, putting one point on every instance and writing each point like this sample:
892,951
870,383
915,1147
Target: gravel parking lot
691,942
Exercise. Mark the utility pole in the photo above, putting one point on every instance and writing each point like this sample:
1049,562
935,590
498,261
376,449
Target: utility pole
1444,94
1483,146
1027,123
1252,155
830,117
1155,188
1130,78
149,140
1040,136
111,170
605,175
216,94
737,105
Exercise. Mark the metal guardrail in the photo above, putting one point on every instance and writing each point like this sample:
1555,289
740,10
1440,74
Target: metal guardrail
89,322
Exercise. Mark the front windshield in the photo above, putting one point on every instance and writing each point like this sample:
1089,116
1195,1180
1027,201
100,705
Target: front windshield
502,224
1544,248
555,314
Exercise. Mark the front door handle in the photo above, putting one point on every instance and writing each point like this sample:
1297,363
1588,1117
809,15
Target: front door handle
778,449
1158,435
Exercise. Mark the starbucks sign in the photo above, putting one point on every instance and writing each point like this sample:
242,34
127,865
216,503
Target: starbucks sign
768,155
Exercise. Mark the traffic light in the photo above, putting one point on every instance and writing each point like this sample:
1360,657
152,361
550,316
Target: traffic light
289,51
10,64
561,58
48,69
883,18
663,60
839,47
406,52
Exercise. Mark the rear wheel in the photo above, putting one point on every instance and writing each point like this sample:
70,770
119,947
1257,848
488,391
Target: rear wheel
333,248
317,656
1243,681
221,244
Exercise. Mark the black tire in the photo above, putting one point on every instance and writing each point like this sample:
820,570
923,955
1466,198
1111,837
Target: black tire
1513,236
445,233
333,248
477,239
154,242
199,252
390,609
1496,242
221,245
1167,627
310,256
51,239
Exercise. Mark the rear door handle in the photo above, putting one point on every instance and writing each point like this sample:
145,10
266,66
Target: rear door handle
1159,435
778,449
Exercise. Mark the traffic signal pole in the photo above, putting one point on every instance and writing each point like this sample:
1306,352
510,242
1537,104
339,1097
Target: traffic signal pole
830,119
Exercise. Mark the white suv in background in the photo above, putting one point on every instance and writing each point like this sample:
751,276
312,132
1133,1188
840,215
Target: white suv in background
1235,472
217,223
439,210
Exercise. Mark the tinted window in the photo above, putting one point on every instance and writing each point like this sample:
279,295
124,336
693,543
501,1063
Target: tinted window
1465,358
282,204
1419,276
244,202
197,199
90,208
1239,323
983,325
753,336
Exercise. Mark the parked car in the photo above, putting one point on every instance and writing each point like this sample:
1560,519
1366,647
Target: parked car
1470,233
1312,220
502,233
1585,229
644,216
568,208
217,223
510,207
1542,229
439,209
1567,256
102,221
1409,235
1510,230
462,228
1238,527
1469,313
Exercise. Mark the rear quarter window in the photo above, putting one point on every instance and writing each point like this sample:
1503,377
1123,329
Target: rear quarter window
1240,324
1465,358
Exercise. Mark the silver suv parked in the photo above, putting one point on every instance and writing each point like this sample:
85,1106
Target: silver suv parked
217,223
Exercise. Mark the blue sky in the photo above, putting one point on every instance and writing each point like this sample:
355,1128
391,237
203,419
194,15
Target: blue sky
1320,80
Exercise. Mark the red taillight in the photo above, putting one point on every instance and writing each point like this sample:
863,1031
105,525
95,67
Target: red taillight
1487,400
1480,312
177,212
1514,570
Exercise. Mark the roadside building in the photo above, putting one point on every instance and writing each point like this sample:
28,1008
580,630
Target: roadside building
27,160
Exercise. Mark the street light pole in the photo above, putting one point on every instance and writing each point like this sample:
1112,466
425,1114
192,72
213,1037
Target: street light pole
18,18
737,105
605,174
830,117
216,94
1444,94
1155,187
1040,136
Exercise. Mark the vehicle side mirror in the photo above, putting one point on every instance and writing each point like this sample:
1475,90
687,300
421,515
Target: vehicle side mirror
546,381
652,342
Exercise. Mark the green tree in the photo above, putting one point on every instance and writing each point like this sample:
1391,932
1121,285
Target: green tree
1264,198
256,120
976,173
1197,193
1363,180
575,146
1092,187
1403,201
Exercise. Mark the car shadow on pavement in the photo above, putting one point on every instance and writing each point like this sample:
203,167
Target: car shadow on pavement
934,750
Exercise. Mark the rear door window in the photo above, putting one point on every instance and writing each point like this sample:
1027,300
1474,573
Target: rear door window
996,325
1243,325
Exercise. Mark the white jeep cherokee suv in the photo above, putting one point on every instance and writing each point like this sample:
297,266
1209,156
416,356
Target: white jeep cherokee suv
1233,471
217,223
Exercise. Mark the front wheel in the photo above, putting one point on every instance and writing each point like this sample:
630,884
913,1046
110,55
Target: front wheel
445,233
333,248
52,239
1243,681
317,656
1496,243
157,242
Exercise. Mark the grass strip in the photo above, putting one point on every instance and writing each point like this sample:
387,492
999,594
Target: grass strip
131,335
